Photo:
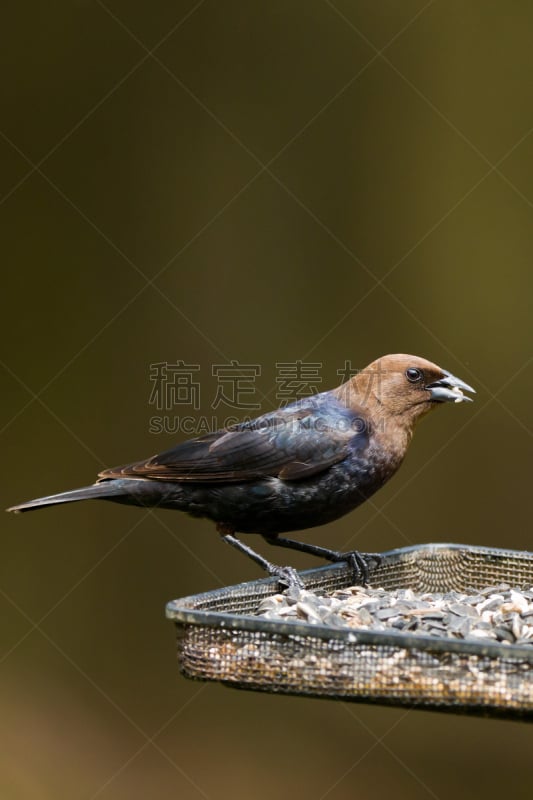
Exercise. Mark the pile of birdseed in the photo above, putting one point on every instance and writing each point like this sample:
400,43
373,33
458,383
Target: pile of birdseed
497,614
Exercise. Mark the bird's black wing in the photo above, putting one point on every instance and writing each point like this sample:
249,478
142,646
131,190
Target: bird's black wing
288,444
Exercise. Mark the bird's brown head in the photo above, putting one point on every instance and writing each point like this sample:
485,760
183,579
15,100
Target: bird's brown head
404,387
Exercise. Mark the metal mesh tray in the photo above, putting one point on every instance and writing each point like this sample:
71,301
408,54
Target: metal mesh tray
220,639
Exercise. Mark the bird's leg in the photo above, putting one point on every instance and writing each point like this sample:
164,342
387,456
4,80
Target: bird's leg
286,575
358,561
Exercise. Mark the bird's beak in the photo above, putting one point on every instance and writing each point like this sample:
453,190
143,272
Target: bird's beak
449,389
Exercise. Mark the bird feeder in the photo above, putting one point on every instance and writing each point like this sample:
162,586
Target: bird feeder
221,637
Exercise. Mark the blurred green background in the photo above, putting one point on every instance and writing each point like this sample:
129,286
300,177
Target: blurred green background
259,181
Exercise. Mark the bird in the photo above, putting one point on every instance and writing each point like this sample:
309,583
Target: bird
302,466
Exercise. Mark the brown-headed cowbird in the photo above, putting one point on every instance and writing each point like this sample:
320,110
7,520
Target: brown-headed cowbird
301,466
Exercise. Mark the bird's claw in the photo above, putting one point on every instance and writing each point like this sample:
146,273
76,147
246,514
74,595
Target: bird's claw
360,563
287,577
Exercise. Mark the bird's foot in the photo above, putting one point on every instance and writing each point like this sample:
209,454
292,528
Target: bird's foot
288,577
359,562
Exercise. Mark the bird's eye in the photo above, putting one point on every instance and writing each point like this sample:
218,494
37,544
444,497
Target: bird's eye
413,374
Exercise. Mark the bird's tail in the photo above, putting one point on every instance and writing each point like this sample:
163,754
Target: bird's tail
98,491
